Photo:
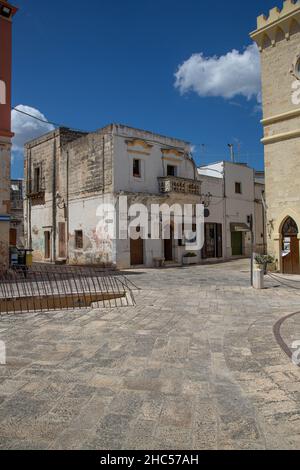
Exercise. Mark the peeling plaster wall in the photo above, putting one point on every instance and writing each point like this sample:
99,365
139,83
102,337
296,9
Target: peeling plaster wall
99,247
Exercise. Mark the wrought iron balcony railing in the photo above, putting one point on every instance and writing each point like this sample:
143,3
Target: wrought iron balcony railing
169,184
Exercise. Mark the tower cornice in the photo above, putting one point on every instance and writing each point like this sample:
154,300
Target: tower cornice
277,21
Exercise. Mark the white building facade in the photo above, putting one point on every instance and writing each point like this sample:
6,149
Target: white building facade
70,176
236,197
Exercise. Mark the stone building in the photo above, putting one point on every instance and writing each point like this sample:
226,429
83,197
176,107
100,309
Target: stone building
278,38
7,12
69,175
16,231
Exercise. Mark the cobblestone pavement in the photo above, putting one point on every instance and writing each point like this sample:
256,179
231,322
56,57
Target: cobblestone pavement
195,365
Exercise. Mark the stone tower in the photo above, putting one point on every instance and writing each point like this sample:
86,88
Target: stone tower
278,39
7,12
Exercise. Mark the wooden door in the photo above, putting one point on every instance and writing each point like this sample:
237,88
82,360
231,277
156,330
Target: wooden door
47,239
291,260
237,243
168,249
13,236
168,246
136,252
62,240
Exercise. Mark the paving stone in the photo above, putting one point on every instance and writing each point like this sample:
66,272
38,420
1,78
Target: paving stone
194,365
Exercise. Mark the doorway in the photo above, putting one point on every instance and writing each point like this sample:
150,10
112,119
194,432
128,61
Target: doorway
290,247
213,241
13,237
137,251
47,240
237,243
168,246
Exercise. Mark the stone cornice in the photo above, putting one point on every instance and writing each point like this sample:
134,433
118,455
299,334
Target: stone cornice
281,137
280,117
168,152
139,143
278,20
6,133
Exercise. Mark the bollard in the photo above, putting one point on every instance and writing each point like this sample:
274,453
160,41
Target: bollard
258,279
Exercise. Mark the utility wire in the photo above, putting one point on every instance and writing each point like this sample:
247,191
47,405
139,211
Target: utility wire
38,119
55,124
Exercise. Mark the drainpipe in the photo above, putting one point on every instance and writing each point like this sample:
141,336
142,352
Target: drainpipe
103,163
67,210
264,222
29,182
225,208
54,202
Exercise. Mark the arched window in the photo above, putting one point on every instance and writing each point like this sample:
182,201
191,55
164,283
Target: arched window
289,227
2,92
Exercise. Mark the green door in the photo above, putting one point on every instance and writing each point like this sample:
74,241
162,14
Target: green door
237,243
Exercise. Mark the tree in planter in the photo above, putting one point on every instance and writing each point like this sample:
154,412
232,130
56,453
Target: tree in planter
190,254
263,261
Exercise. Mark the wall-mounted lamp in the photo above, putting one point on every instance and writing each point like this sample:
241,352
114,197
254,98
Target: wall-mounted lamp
5,11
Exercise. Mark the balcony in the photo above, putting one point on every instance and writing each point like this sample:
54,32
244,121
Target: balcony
36,191
173,184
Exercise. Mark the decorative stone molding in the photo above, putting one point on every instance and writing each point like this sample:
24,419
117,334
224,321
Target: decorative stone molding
293,70
168,152
280,220
279,22
139,143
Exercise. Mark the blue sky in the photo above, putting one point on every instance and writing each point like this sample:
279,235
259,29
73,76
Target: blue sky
87,64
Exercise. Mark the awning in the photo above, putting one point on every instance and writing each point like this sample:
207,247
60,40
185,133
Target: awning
239,227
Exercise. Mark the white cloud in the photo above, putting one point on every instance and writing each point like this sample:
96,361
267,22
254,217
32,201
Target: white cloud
233,74
26,127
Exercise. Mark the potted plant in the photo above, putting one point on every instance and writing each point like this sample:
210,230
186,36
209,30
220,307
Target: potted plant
189,258
262,262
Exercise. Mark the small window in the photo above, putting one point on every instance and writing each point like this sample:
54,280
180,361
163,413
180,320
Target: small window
171,170
2,92
136,168
78,239
37,180
238,188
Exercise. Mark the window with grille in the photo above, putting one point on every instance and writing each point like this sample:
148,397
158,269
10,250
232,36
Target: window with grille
78,239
